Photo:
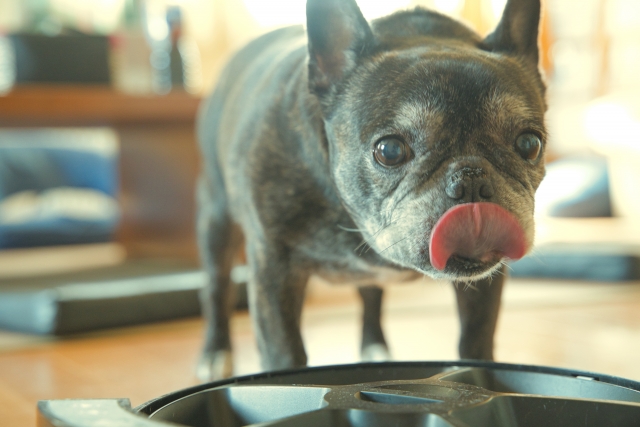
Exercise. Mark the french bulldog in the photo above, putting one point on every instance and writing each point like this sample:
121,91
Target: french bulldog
365,153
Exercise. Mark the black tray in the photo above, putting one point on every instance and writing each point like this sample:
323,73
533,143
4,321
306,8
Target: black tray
402,394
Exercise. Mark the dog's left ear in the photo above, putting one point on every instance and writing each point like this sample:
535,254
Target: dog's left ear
517,32
338,36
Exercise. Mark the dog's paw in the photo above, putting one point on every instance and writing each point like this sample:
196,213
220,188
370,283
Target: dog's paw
375,353
215,366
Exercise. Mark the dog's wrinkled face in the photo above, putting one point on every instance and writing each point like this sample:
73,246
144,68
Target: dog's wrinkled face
410,125
436,151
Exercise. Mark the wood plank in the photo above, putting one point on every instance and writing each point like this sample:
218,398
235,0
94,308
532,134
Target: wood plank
69,105
15,410
593,327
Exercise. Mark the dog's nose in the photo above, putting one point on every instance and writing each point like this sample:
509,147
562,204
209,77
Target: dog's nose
469,184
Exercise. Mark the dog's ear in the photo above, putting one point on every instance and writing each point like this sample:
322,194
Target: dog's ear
338,36
517,32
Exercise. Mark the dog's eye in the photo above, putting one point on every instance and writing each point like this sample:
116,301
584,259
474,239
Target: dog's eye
528,146
391,151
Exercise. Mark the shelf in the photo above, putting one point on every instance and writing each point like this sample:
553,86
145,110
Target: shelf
158,155
68,105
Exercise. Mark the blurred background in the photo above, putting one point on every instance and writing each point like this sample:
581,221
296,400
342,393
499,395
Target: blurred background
98,159
98,99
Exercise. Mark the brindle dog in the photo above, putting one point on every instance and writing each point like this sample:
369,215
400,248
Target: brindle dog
366,153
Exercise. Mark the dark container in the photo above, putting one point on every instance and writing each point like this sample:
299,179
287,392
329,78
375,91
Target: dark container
76,58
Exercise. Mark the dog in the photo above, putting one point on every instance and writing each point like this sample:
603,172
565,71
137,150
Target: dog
366,153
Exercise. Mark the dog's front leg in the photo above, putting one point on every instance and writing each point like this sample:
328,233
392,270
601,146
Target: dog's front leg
374,346
218,240
276,294
478,306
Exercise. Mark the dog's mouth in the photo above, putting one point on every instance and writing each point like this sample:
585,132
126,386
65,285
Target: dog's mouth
470,269
472,238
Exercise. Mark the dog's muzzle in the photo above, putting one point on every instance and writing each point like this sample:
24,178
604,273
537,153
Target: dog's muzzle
483,232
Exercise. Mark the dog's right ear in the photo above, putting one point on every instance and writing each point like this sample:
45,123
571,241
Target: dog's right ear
517,32
338,36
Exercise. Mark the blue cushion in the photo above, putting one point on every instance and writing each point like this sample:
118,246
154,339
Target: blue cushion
576,186
37,163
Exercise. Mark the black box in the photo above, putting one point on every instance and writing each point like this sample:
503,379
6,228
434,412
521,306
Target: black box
76,58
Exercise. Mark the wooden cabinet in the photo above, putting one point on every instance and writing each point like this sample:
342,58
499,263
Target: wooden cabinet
158,156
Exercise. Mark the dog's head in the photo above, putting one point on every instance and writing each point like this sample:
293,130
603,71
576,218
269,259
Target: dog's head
436,136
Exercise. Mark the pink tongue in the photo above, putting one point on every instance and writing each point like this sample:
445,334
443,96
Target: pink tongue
480,231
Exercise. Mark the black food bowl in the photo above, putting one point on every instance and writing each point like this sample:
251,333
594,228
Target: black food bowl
398,394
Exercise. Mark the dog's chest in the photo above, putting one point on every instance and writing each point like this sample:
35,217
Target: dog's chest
342,257
359,273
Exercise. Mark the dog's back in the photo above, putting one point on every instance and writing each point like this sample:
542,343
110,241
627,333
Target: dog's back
246,89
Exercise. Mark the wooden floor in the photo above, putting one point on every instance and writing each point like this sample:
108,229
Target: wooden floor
584,326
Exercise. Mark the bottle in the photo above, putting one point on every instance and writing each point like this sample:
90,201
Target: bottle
7,65
176,64
130,52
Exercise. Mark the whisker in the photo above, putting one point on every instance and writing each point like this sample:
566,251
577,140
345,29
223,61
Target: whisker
354,230
507,265
362,243
470,285
386,227
393,244
380,230
361,246
390,222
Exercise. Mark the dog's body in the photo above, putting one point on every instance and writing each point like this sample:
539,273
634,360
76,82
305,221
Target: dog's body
359,153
